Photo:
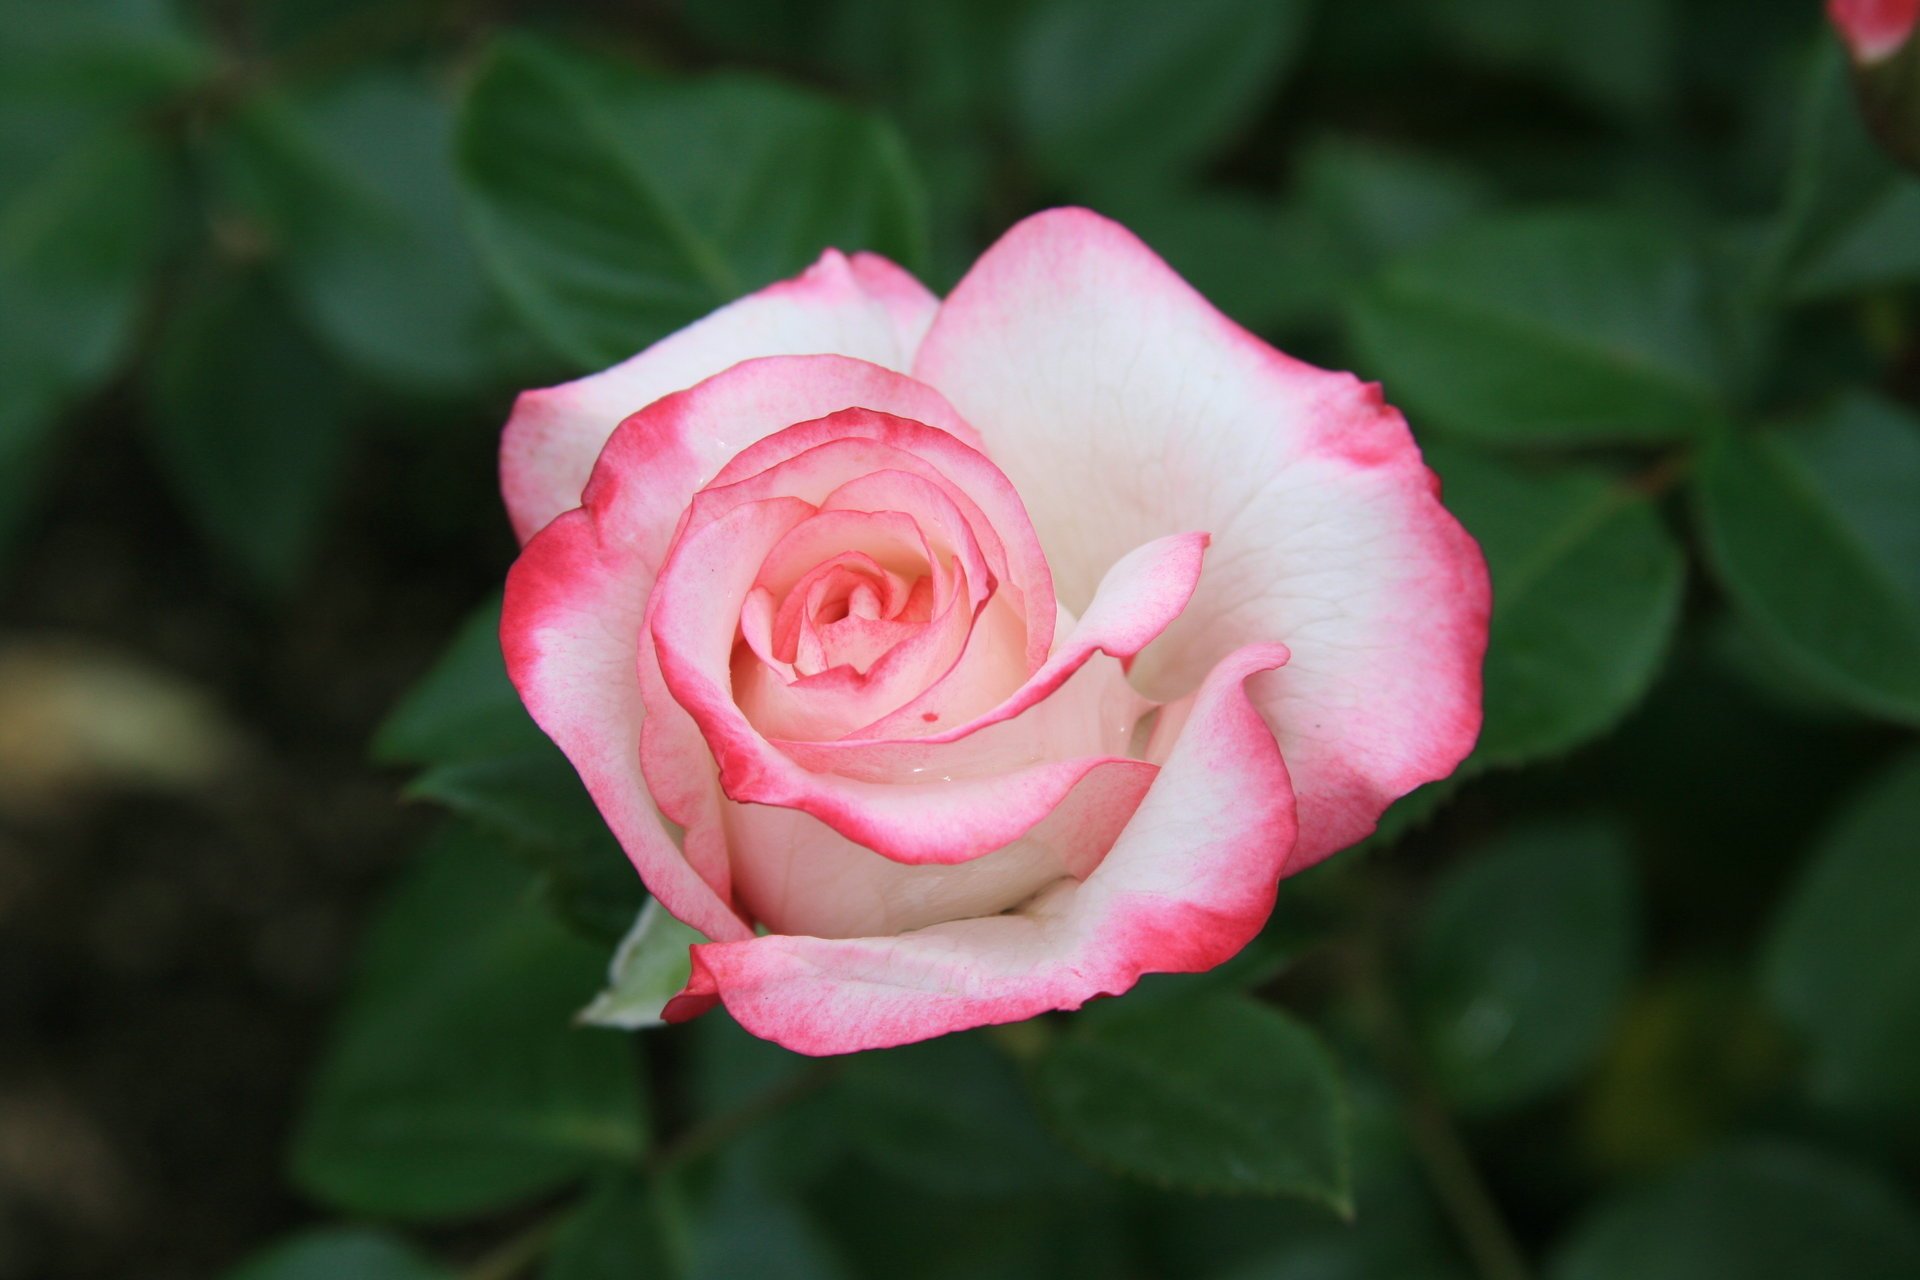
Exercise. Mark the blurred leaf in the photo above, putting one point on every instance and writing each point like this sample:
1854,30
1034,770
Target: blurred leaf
454,1083
1219,1094
1586,591
1621,56
250,422
649,968
464,707
1695,1054
1815,531
617,1233
614,207
1378,202
489,763
81,222
120,52
1843,963
354,189
745,1230
1555,328
1107,91
1265,264
1755,1212
336,1253
1849,215
950,1115
1521,962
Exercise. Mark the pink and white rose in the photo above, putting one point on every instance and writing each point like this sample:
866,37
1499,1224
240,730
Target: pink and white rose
948,662
1874,30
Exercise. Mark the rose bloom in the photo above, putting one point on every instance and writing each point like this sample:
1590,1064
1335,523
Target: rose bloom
945,663
1874,29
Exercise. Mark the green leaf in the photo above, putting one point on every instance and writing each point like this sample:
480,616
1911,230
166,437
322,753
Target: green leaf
454,1083
1521,962
1847,222
1265,264
1559,328
745,1231
489,763
1843,962
1621,57
81,220
1111,89
1586,592
339,1252
649,968
1815,531
464,707
251,424
354,190
1379,202
1755,1212
1220,1094
951,1116
109,52
614,206
618,1233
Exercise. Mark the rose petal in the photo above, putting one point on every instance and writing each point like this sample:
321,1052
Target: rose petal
1122,405
868,309
570,627
1188,882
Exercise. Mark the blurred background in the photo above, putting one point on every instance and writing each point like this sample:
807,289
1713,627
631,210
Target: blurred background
295,907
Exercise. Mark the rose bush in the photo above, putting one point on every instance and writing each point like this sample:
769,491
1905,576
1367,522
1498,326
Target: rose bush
945,663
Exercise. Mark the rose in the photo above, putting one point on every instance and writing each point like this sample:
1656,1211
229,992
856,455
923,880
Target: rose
984,690
1879,34
1874,29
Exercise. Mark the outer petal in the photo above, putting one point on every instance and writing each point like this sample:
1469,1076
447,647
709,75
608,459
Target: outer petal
574,614
867,308
1122,405
660,457
1189,881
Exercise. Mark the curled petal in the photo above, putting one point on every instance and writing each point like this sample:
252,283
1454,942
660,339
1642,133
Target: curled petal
1090,368
1188,882
866,308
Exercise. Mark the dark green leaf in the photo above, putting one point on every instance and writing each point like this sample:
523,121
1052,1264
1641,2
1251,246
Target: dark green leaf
1112,89
951,1116
1621,56
1219,1094
1548,329
337,1254
81,222
1848,220
1522,960
746,1231
455,1083
464,707
108,52
1815,530
1844,961
614,206
1378,203
1758,1212
354,190
1586,591
618,1233
251,425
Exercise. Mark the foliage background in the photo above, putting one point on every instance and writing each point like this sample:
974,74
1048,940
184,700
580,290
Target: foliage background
1637,994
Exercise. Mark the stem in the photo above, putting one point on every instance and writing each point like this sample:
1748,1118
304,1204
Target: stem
715,1132
517,1253
1444,1155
